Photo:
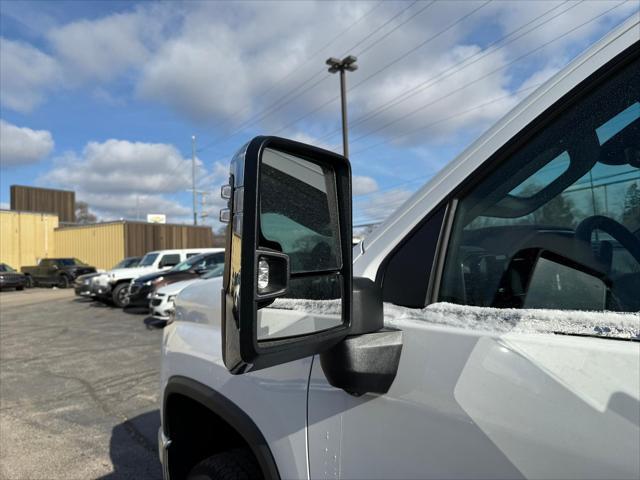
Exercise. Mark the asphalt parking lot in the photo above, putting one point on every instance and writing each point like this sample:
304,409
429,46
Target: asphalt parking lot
78,389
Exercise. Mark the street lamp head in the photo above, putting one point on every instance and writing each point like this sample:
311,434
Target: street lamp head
351,68
333,62
349,60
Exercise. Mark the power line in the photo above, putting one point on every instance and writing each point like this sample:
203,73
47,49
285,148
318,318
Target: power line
310,78
393,62
451,70
297,68
278,103
492,72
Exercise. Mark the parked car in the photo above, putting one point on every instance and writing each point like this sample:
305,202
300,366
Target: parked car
60,272
161,303
83,285
487,329
9,278
113,285
142,288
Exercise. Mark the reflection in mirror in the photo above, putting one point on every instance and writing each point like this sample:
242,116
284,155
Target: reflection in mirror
299,218
298,214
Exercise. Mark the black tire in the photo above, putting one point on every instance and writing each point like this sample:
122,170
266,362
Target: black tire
232,465
119,295
19,288
30,283
63,281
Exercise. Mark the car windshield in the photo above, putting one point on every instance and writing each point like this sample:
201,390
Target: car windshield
216,271
127,263
70,262
188,263
148,259
6,268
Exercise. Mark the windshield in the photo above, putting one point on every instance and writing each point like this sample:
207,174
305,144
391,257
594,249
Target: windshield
127,263
69,262
216,271
148,259
6,268
188,264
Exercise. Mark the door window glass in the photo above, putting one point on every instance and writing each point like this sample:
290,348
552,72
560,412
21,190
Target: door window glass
568,200
170,260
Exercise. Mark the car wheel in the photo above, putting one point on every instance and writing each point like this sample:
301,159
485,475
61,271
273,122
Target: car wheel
30,283
63,281
231,465
19,288
119,295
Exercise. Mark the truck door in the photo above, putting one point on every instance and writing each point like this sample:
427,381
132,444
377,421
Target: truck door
521,352
41,272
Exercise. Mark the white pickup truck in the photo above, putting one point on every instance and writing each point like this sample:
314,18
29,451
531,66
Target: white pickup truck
112,285
488,329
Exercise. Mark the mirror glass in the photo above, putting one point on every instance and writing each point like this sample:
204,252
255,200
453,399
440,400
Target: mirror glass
299,218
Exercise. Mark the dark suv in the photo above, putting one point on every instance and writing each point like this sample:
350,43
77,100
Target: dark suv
142,288
59,272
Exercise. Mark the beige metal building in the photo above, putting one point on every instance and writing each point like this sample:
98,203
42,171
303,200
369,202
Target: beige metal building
105,244
26,237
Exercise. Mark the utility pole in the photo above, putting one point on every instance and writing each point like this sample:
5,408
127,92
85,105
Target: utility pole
347,64
203,201
193,177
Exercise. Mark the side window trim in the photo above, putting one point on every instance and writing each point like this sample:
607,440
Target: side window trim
437,269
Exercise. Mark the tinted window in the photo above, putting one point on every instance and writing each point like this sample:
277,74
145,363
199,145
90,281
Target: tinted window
170,260
148,260
572,190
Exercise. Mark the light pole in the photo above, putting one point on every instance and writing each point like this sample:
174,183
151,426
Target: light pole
348,64
193,177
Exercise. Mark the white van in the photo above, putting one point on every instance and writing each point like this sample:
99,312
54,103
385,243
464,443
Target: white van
488,329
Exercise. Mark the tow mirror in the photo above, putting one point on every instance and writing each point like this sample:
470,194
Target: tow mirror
287,285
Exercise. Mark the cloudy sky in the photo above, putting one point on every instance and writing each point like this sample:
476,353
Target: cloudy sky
103,97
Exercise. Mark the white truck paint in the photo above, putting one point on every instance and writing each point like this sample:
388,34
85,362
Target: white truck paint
466,402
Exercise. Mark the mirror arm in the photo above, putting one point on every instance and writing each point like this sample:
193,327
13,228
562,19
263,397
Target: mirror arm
364,363
367,314
367,360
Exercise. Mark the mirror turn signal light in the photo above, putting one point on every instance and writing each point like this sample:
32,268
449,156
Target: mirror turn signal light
226,191
263,275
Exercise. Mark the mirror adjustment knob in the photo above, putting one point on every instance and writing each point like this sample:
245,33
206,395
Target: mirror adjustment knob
225,215
226,191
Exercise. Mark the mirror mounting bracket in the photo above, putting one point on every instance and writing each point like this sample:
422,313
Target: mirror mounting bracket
367,360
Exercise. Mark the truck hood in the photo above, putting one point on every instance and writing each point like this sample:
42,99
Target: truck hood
120,273
177,287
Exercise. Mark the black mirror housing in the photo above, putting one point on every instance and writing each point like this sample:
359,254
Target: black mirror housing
262,269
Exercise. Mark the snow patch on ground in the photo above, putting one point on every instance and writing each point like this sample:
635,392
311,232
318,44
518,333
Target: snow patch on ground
497,320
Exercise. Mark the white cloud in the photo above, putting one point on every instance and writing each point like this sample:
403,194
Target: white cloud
26,74
363,185
133,206
380,205
121,166
124,179
22,145
101,49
